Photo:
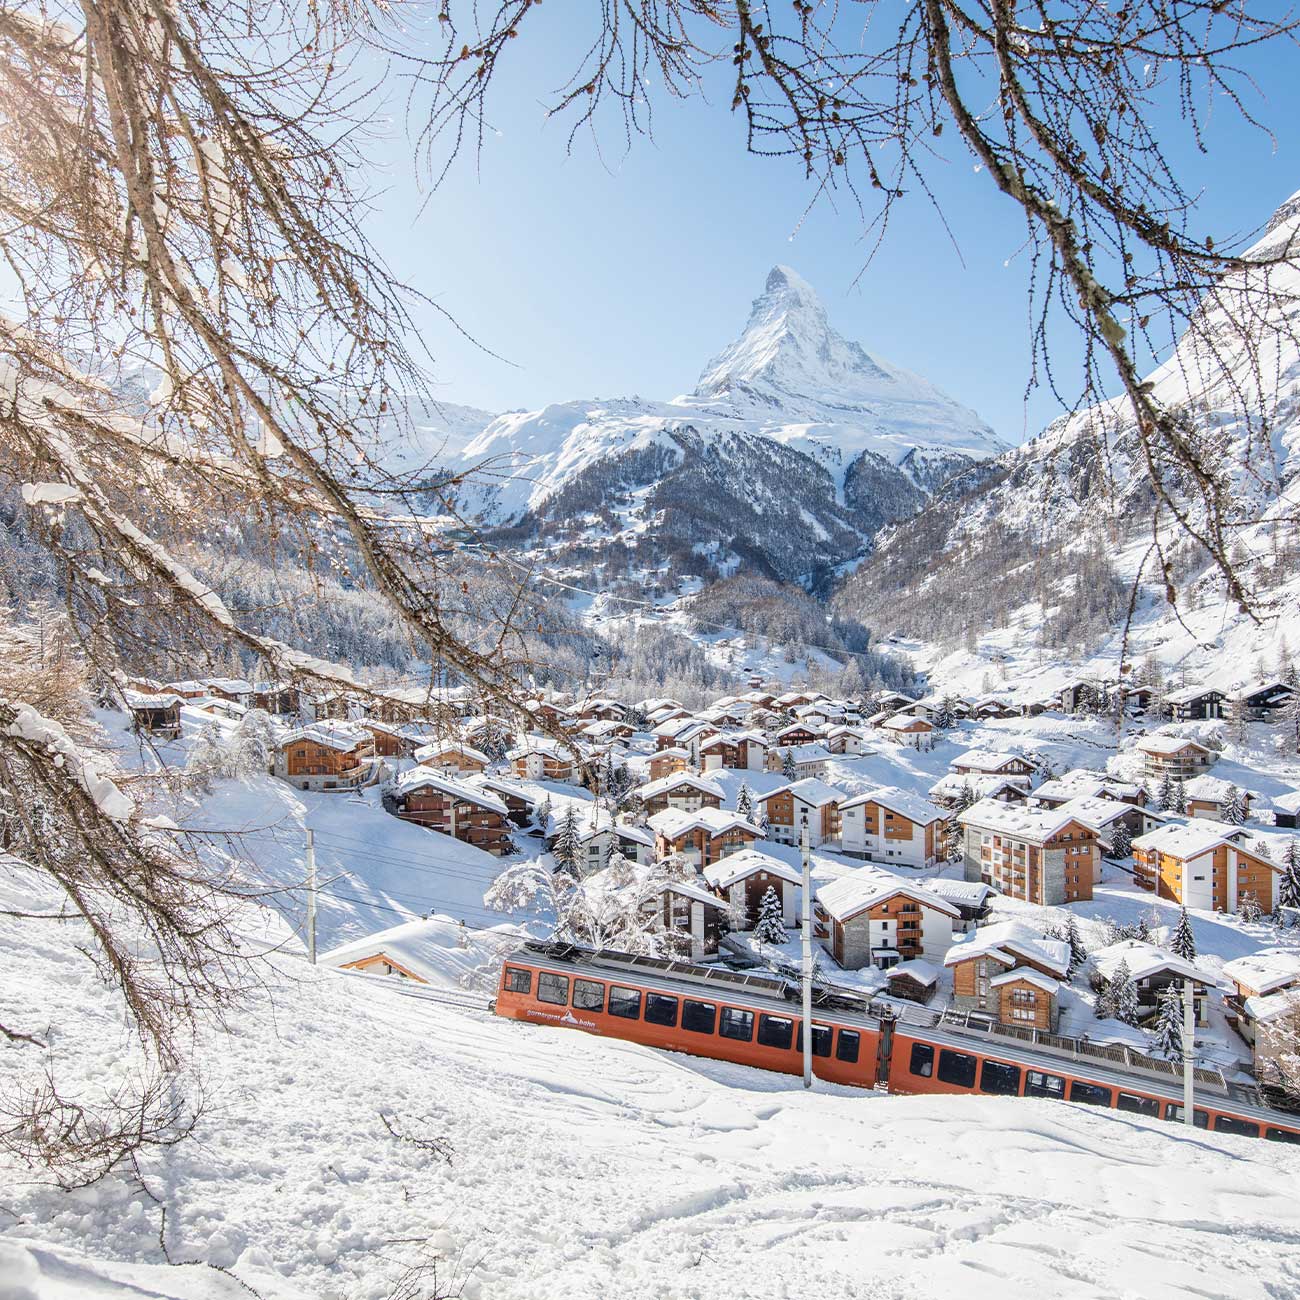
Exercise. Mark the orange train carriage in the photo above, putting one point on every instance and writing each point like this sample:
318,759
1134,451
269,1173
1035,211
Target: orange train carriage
754,1020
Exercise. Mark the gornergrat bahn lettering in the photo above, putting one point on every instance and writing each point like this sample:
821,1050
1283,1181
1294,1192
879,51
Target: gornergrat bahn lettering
755,1020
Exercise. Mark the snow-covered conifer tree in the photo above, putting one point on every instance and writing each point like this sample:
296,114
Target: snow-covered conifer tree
567,848
1123,995
1121,841
543,816
1078,953
1179,804
1164,798
1234,807
787,766
770,927
1182,943
745,802
1169,1025
1288,894
1249,909
208,760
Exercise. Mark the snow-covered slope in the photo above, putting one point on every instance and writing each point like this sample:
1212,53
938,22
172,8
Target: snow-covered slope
790,412
584,1167
1084,484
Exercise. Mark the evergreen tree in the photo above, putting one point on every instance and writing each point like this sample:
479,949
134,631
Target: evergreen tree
787,766
543,816
252,743
1237,731
1164,799
1249,909
208,760
1078,953
1121,841
1122,995
1234,807
1289,713
945,716
1180,797
770,927
1289,884
1183,942
567,849
745,802
1143,930
1169,1025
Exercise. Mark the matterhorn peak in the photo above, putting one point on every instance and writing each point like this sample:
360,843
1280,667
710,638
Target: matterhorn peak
789,348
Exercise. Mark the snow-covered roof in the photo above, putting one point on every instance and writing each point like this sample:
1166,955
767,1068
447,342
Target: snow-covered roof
438,747
734,738
673,823
812,791
1063,790
1027,975
851,894
1190,839
1190,694
1095,813
911,806
139,700
1034,825
986,760
336,734
420,778
672,751
431,949
540,745
1271,1006
971,893
736,866
1163,744
1011,942
1265,971
905,722
1144,959
488,781
923,972
982,787
636,834
230,685
694,892
677,780
1212,789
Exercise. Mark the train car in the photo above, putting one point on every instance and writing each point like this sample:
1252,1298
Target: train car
756,1020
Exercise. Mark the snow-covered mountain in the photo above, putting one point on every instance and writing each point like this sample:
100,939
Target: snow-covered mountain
1000,547
795,446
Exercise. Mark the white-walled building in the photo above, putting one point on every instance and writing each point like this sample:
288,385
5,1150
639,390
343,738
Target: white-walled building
891,826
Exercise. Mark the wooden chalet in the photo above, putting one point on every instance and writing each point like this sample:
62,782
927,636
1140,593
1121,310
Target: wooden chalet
325,756
155,715
456,808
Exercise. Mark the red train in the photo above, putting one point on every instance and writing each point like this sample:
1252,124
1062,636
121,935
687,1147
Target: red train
755,1020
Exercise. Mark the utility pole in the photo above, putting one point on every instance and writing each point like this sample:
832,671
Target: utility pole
311,896
807,953
1189,1045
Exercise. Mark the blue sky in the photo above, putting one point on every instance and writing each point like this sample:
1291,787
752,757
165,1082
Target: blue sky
606,272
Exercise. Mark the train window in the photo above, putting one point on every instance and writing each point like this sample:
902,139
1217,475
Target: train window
624,1003
1200,1119
588,995
1038,1084
822,1035
1091,1094
1138,1105
957,1068
775,1031
1227,1124
698,1017
660,1010
553,988
737,1024
999,1079
846,1047
1281,1135
518,981
922,1062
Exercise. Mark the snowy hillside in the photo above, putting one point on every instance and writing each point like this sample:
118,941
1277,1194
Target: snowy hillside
1003,545
587,1167
796,444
